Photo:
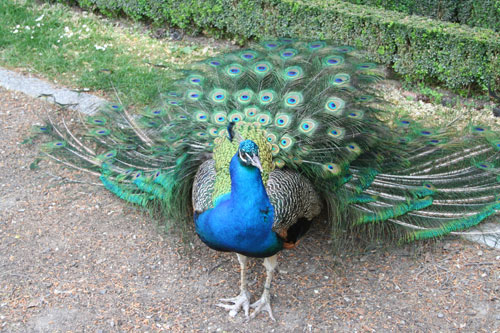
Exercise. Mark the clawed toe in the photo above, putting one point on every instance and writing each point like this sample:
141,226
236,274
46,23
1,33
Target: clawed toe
242,301
262,304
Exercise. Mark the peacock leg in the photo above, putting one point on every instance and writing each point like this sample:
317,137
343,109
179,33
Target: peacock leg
264,303
243,299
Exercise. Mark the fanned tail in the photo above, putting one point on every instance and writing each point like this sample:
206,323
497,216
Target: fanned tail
450,184
315,107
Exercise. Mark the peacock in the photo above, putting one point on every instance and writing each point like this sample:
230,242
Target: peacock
257,145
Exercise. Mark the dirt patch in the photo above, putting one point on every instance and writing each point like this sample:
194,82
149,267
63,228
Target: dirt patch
75,258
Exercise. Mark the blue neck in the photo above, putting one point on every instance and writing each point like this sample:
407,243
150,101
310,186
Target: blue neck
246,184
242,220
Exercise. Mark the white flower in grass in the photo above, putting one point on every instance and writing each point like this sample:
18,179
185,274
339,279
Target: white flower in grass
67,32
39,18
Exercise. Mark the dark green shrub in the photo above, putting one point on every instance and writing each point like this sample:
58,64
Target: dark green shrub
483,13
419,48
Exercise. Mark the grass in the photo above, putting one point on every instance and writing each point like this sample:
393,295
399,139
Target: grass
87,52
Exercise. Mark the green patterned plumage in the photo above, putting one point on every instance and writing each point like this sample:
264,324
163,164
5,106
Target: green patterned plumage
316,107
323,140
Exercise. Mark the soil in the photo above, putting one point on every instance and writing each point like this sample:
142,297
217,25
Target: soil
75,258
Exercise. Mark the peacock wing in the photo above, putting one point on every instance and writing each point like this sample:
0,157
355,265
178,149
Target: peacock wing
295,203
203,186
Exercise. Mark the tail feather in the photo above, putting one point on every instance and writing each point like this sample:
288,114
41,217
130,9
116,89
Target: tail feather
319,110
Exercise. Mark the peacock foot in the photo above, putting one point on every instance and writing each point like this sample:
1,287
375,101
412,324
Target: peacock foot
242,301
264,303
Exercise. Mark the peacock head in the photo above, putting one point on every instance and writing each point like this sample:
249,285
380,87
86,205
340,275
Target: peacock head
248,153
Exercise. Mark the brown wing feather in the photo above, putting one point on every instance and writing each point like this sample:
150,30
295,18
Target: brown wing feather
203,186
294,200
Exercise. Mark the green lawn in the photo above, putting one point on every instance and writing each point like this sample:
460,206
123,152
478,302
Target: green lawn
84,51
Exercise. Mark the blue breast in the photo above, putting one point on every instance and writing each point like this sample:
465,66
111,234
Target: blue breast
241,220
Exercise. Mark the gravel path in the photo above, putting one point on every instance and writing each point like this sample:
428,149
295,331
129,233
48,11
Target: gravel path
75,258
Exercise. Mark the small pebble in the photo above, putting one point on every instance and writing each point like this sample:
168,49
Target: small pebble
440,315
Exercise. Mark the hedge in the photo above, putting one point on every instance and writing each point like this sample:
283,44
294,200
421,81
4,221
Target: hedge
483,13
421,49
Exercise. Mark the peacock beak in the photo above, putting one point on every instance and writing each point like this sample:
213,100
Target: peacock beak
255,161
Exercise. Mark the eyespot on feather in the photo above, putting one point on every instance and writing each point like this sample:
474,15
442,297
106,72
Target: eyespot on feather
288,54
308,126
332,61
293,99
201,116
337,133
218,96
334,106
244,96
219,117
286,142
266,96
264,118
332,169
234,70
251,112
235,116
340,79
283,120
